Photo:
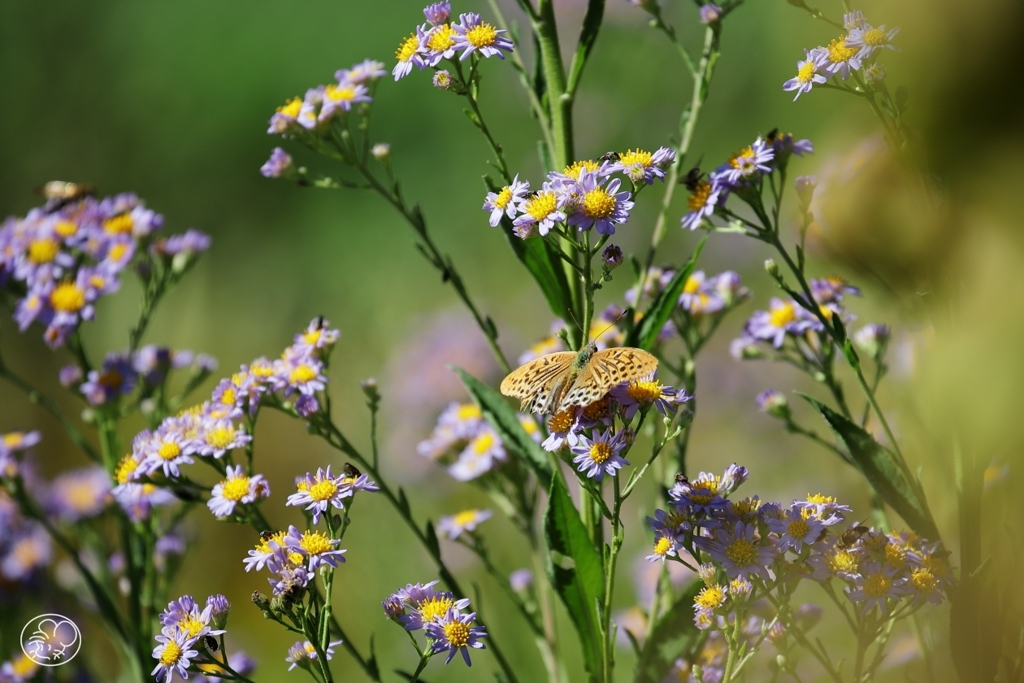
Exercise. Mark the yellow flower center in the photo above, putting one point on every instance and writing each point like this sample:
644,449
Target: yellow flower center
742,552
171,653
598,203
699,196
408,48
315,542
598,410
503,198
745,153
296,558
798,528
14,439
842,561
43,250
600,452
465,517
80,496
235,489
826,312
483,443
441,38
302,374
875,36
573,171
339,93
291,107
541,204
457,633
125,468
636,156
468,411
66,228
877,585
482,35
561,422
67,298
895,556
119,225
191,626
169,450
820,499
434,607
662,546
782,316
644,391
228,397
923,581
839,51
323,490
745,507
220,437
691,286
264,545
710,597
805,74
312,337
23,667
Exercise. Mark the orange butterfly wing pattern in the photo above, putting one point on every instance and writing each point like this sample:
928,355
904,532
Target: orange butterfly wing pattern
541,383
605,370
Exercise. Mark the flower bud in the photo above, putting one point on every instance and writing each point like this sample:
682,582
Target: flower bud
443,80
279,165
745,348
710,13
219,607
708,574
521,580
774,403
369,387
381,152
260,600
612,256
772,268
805,185
872,339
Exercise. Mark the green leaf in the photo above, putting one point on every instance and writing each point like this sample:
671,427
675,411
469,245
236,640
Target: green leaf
505,420
975,626
431,539
675,635
879,466
575,570
543,264
657,314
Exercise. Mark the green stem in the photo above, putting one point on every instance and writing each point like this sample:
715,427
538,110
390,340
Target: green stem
559,106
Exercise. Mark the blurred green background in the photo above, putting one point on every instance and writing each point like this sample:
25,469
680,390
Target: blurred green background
171,100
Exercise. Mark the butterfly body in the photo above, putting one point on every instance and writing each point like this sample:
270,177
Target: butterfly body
557,381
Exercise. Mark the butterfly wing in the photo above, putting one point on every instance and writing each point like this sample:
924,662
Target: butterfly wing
605,370
534,381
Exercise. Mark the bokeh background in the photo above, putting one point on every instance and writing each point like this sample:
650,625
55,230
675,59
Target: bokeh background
171,100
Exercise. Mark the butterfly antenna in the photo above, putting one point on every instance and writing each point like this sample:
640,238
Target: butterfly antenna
611,324
578,326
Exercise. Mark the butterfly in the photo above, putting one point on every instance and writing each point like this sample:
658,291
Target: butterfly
557,381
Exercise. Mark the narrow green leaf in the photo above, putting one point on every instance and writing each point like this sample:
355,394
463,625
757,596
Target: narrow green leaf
657,314
505,420
574,567
431,537
975,633
675,635
880,468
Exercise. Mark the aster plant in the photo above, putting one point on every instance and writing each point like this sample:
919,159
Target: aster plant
563,481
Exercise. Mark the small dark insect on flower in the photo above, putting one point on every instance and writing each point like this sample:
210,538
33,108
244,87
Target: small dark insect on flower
266,535
609,156
681,478
319,322
692,178
211,643
59,193
772,134
851,536
351,471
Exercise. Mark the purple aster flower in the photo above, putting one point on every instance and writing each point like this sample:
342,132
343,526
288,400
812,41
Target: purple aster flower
506,201
643,393
563,428
710,13
872,339
264,550
774,403
14,442
474,35
115,378
79,494
341,98
672,523
784,145
302,653
320,491
612,256
703,495
666,545
824,508
795,531
427,605
830,289
840,58
437,43
467,520
279,165
317,335
300,372
479,456
520,580
25,551
599,455
174,654
152,362
455,632
363,72
289,570
869,39
704,197
748,163
641,166
808,73
438,13
307,405
541,211
854,19
740,551
876,585
733,478
394,607
218,436
138,500
285,119
316,546
409,54
190,242
600,206
237,488
782,318
309,112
